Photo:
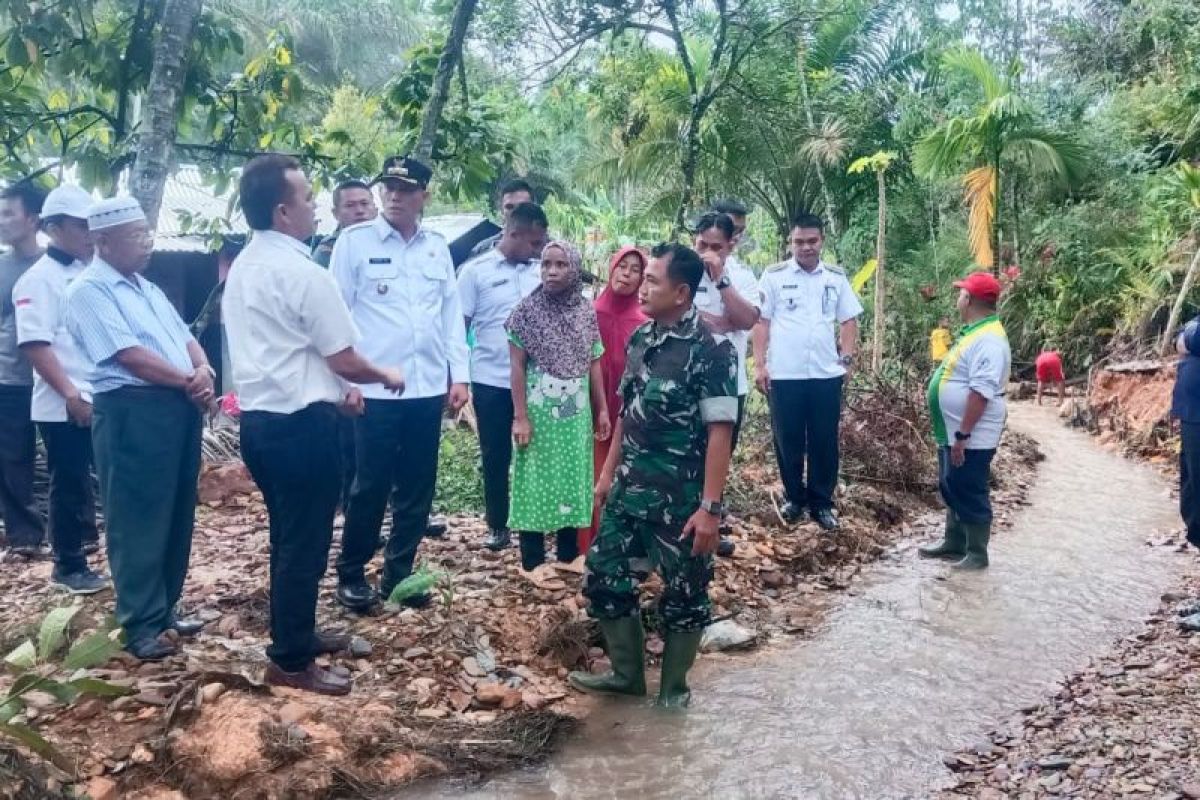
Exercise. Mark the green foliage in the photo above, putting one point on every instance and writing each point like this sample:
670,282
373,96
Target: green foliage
34,669
460,483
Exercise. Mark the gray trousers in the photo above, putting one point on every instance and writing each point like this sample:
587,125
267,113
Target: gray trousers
147,449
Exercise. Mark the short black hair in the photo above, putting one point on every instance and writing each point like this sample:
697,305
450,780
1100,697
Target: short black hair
719,220
263,186
730,207
514,185
29,193
353,183
684,266
528,215
807,220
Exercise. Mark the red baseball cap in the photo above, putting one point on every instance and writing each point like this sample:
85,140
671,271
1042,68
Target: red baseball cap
981,285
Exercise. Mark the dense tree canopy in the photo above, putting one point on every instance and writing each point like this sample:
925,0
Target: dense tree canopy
1049,141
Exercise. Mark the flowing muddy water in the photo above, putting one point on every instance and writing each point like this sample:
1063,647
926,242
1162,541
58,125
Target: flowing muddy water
913,662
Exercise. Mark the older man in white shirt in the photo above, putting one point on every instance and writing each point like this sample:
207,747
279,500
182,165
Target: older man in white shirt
398,280
291,343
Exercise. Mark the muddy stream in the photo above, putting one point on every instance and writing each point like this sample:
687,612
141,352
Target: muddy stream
909,665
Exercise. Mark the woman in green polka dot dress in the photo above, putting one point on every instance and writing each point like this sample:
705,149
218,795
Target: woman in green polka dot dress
557,393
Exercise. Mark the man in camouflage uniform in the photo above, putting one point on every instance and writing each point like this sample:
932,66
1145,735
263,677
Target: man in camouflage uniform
663,482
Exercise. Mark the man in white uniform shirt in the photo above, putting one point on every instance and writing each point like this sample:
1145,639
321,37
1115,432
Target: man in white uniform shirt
803,349
62,393
291,344
490,286
727,299
398,280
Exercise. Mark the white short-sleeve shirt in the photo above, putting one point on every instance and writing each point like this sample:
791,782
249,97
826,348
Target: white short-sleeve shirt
489,288
283,316
708,300
38,302
403,296
804,311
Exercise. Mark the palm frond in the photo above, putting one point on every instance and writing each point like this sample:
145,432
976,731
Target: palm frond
980,186
1057,155
971,63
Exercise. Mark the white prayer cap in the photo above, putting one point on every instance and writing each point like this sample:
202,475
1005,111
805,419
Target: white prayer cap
114,211
67,200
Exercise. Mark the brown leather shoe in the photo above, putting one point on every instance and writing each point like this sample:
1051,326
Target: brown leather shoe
311,679
332,642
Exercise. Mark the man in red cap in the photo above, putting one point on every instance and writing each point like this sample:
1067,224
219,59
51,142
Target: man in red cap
966,403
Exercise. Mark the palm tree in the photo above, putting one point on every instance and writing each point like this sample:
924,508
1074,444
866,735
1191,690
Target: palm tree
1002,131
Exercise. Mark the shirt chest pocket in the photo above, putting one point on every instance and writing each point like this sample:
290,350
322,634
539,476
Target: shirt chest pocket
431,286
381,276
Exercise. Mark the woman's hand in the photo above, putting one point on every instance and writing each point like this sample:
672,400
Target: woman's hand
603,428
522,432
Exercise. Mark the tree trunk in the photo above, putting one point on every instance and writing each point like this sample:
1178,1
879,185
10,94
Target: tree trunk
451,55
880,289
156,142
691,159
997,204
1165,346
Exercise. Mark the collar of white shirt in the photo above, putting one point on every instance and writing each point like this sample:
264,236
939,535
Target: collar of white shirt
277,239
817,270
385,229
109,274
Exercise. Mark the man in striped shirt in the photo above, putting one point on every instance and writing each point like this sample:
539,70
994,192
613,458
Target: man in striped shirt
968,410
150,380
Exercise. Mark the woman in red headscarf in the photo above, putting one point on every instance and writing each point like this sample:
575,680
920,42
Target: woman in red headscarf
619,313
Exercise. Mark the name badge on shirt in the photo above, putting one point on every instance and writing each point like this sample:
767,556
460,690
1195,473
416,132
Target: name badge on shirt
499,282
702,289
384,260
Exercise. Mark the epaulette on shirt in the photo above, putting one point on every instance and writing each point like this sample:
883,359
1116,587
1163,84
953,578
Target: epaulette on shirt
777,267
835,269
358,226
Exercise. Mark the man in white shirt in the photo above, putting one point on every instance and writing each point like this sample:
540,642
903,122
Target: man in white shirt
291,343
803,349
727,299
490,286
398,280
62,393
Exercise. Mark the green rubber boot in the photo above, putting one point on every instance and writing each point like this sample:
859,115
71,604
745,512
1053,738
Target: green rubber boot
954,541
627,652
977,544
679,653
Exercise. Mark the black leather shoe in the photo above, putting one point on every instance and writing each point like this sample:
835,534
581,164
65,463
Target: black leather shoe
497,539
356,596
310,679
186,627
826,519
725,547
150,650
332,642
435,526
791,513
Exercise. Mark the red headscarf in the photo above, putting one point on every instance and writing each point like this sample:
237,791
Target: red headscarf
619,316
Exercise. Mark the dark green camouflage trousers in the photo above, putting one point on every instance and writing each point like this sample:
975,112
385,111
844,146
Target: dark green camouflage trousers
623,555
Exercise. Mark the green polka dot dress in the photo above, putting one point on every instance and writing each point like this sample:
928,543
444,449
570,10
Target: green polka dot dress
552,478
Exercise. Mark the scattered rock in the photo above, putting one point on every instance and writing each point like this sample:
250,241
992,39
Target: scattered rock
1054,762
726,635
490,694
360,647
211,691
102,789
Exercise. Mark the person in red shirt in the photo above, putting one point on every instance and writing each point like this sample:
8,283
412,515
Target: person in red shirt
1050,370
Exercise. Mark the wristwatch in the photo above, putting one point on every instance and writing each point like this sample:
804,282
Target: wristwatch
713,507
959,436
724,283
846,360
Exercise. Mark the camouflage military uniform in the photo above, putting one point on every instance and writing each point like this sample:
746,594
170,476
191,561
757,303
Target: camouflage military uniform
677,380
323,249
